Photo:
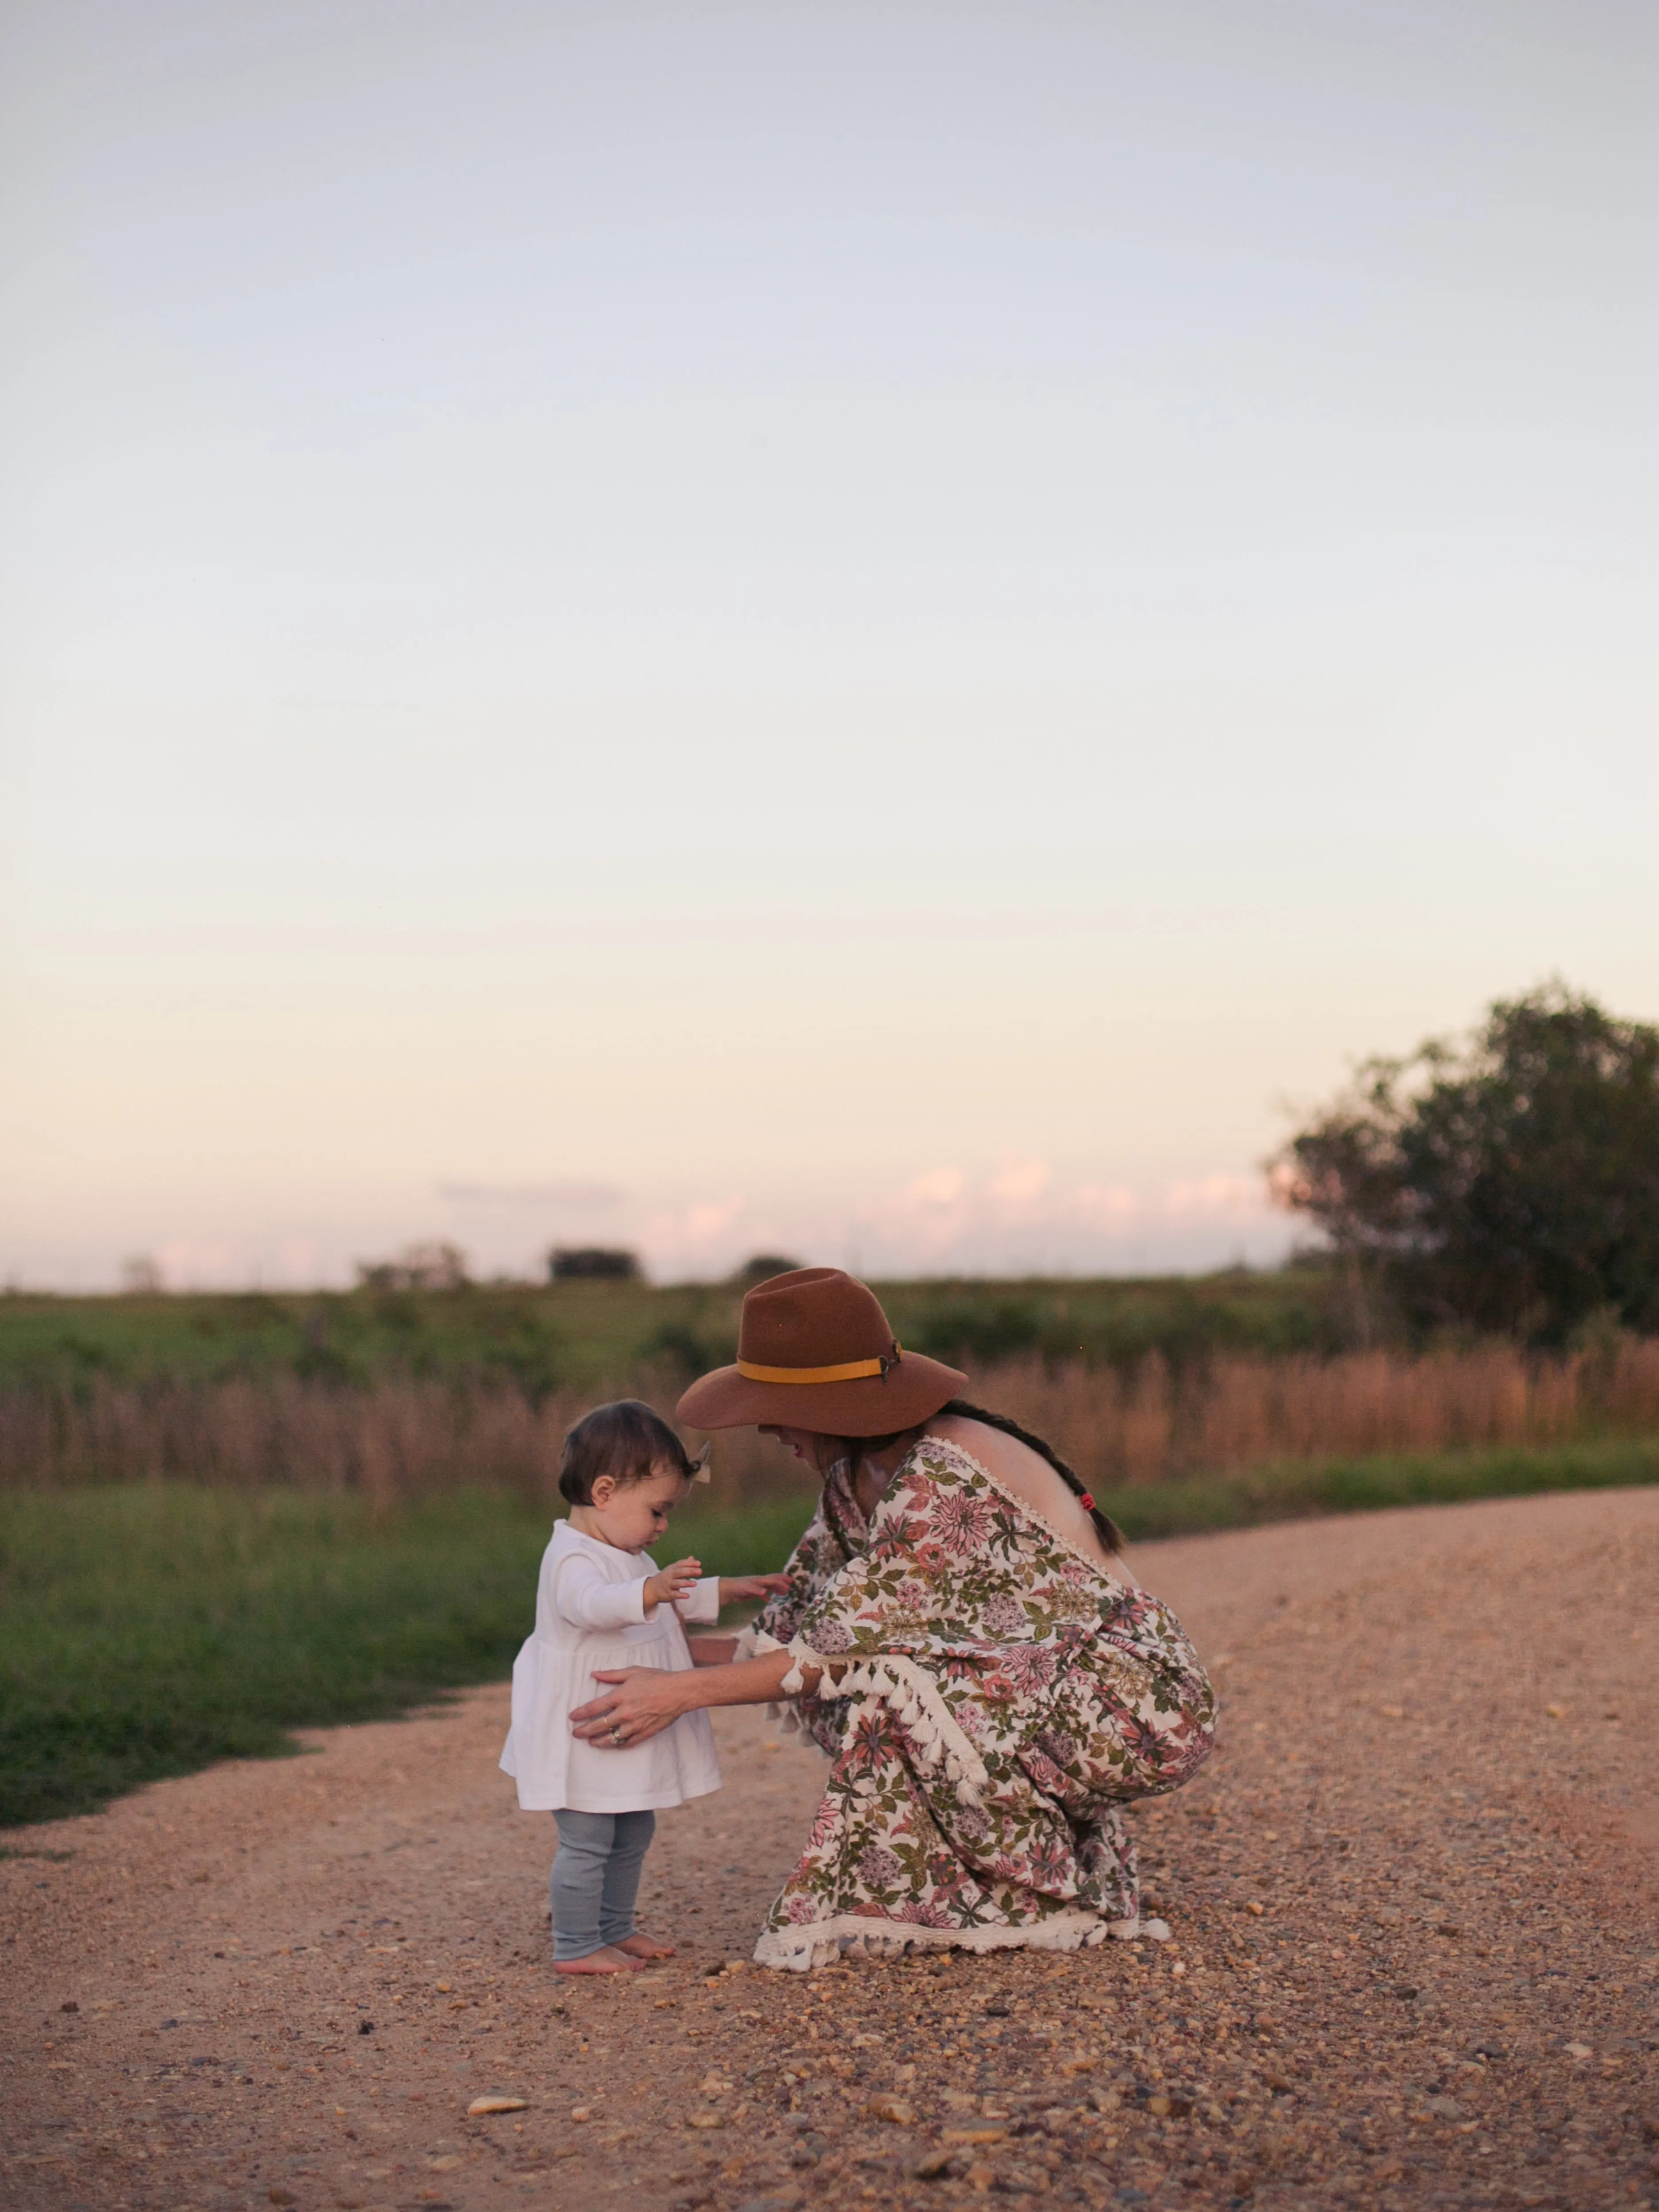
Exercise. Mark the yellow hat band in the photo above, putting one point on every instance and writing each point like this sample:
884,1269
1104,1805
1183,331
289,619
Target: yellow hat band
850,1370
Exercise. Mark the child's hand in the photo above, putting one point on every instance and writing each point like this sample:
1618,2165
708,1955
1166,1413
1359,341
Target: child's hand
672,1584
734,1588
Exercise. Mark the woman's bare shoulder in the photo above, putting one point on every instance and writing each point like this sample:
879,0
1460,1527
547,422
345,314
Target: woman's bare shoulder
1002,1455
1025,1474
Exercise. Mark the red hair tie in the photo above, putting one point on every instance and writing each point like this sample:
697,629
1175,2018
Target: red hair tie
1088,1503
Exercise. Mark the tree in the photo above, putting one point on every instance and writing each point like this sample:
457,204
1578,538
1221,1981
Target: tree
762,1268
592,1263
1509,1182
416,1268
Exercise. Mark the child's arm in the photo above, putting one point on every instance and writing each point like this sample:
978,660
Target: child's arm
673,1585
701,1601
726,1589
583,1597
713,1591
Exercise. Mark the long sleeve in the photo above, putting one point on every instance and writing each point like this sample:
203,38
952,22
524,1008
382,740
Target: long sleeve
704,1602
583,1597
824,1547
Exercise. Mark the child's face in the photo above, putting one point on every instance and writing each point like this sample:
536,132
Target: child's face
633,1516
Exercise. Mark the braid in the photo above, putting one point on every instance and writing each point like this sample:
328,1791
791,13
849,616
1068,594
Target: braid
1105,1528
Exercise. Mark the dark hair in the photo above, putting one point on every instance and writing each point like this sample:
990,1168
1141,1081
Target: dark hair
627,1441
1105,1528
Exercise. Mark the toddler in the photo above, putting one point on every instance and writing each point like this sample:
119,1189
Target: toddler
602,1602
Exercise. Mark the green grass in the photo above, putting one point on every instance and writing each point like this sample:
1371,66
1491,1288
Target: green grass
592,1336
146,1631
1301,1491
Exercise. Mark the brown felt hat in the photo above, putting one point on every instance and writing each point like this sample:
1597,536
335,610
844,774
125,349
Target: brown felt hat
815,1351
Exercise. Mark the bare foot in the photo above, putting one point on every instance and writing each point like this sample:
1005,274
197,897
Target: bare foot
642,1946
608,1960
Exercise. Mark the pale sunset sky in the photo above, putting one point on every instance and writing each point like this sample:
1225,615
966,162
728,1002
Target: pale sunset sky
885,632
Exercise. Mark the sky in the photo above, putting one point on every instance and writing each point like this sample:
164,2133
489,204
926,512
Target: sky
887,633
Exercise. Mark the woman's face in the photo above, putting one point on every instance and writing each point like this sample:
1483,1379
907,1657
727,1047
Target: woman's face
819,1453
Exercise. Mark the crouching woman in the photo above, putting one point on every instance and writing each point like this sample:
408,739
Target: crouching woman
959,1635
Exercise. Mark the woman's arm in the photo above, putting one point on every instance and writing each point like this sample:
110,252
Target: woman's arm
641,1701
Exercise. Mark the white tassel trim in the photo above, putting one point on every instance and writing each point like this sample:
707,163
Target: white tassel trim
754,1643
789,1719
911,1693
856,1934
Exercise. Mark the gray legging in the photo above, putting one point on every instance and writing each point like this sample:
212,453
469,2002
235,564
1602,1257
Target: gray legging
596,1877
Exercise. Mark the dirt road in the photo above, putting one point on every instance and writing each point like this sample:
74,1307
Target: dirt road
1415,1954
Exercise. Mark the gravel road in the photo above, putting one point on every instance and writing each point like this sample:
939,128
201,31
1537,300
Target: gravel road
1415,1956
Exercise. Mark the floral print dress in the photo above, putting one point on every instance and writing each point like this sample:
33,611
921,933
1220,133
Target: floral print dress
1001,1699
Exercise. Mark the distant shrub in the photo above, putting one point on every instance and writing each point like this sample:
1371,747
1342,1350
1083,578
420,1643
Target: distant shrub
678,1346
762,1268
971,1334
592,1263
417,1268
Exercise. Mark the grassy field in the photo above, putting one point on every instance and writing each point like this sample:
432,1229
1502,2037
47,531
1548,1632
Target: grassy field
225,1517
146,1630
400,1394
581,1336
405,1437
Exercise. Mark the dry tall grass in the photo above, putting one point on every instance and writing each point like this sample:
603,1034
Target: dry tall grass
1241,1413
407,1437
402,1439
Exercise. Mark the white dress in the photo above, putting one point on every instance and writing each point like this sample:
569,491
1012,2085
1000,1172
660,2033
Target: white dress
590,1614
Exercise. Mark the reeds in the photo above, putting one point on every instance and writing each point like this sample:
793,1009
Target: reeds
1153,1425
407,1438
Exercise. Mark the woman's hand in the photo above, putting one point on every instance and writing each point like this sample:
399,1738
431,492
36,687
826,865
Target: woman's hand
735,1589
637,1703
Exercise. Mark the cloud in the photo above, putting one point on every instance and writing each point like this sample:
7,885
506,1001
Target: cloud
1022,1217
1217,1194
939,1186
1105,1205
596,1195
703,1222
1020,1181
191,1263
700,1239
1015,1215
